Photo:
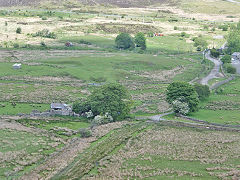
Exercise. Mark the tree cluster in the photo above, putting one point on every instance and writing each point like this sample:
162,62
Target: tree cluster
125,41
108,100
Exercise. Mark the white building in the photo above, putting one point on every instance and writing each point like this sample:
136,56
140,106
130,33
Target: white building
17,66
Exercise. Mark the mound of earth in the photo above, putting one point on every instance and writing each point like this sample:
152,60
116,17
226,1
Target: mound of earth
119,3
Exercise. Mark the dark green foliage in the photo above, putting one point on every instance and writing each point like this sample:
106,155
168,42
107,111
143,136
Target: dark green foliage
200,42
226,59
84,42
230,69
82,107
150,34
19,30
45,33
124,41
16,45
223,27
110,98
202,90
175,28
140,40
184,91
85,133
214,53
233,41
43,44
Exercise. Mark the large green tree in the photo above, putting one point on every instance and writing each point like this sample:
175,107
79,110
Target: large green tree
140,40
124,41
233,40
111,98
184,92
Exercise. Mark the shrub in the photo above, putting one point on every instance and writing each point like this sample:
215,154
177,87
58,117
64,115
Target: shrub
84,42
124,41
45,33
226,59
150,34
199,48
198,41
19,30
223,27
99,120
140,41
230,69
44,18
185,91
16,45
175,28
180,107
203,91
43,44
214,53
85,133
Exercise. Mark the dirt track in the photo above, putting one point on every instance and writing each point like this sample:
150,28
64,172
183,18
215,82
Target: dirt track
215,71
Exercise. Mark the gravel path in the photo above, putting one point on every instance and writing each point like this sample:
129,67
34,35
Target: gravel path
215,73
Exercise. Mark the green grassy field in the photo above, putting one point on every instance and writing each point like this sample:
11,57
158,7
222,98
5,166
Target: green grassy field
223,106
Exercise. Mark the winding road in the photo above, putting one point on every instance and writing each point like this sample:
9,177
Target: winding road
215,71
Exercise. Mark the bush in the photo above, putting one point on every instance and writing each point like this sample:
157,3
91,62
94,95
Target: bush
43,44
150,34
184,91
99,120
226,59
175,28
44,18
200,42
203,91
19,30
124,41
214,53
140,41
85,133
16,45
180,107
230,69
45,33
223,27
199,48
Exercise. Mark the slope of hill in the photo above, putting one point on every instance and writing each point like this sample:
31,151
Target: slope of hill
119,3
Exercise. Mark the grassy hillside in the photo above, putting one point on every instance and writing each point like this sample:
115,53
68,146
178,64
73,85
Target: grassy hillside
120,3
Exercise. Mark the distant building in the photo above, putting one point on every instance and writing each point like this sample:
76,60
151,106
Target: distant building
17,66
236,57
61,109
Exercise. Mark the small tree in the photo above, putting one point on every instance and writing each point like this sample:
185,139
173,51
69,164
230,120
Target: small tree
124,41
140,41
186,92
214,53
203,91
226,59
19,30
